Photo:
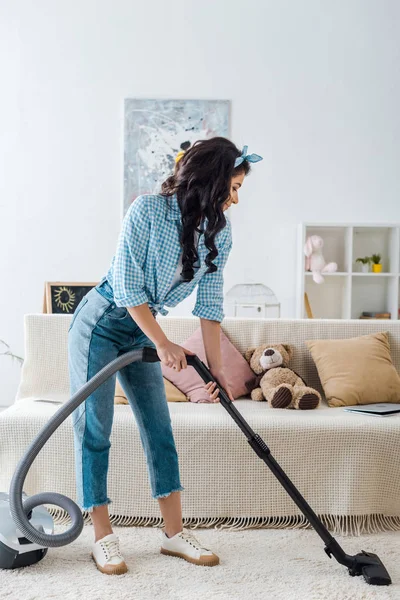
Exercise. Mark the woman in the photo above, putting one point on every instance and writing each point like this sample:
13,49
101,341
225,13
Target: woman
168,244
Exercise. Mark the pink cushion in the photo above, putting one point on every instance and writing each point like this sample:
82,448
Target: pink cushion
236,367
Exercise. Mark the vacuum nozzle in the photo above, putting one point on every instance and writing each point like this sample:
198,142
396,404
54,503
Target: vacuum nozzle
371,567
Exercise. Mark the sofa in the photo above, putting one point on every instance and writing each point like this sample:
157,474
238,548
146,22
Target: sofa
345,465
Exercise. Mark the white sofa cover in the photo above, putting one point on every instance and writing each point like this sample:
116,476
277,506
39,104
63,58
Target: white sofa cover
345,465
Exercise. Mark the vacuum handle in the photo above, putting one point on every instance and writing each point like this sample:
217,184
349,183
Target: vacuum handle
150,355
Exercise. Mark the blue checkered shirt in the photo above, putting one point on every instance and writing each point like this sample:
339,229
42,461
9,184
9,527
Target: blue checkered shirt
147,255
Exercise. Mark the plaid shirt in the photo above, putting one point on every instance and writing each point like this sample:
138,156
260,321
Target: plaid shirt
147,256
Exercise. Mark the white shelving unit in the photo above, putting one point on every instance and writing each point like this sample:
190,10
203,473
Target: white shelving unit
346,293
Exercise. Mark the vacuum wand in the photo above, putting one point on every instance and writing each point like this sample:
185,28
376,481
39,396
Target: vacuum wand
367,564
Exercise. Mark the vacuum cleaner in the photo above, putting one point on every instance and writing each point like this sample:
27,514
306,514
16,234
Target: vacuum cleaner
27,529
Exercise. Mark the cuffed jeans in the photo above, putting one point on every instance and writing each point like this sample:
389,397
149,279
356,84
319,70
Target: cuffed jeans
99,332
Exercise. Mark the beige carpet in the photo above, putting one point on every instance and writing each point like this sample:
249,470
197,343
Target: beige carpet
255,564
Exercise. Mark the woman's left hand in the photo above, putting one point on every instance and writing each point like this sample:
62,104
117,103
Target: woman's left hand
212,388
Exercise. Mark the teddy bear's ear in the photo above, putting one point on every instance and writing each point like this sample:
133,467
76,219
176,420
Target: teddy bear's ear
249,353
288,349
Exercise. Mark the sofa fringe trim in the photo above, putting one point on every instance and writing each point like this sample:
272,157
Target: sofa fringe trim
353,525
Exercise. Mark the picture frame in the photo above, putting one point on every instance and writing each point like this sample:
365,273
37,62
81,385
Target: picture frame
308,306
156,129
62,297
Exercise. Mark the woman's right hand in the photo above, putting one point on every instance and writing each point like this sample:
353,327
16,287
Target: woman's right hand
172,355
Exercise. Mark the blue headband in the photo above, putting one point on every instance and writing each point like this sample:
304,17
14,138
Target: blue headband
249,157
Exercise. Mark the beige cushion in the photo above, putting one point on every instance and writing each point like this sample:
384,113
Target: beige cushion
172,393
356,370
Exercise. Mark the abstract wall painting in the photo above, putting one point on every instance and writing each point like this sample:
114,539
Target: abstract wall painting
156,130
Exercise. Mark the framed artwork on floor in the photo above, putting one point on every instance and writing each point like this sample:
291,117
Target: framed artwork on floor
63,297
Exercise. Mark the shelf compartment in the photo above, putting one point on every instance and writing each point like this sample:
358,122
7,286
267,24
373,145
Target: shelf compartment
329,300
374,294
334,248
376,240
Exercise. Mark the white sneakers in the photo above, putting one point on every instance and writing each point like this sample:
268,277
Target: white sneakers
107,556
185,545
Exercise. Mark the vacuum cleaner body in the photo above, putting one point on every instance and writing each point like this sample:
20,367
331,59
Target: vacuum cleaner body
26,528
15,549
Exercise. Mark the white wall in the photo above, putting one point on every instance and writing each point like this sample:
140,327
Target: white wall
314,87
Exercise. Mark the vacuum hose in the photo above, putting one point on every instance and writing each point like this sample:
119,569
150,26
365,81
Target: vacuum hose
19,509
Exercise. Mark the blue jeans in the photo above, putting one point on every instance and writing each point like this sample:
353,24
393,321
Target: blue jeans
99,332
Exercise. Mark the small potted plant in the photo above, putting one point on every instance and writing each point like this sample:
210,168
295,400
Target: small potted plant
364,263
376,266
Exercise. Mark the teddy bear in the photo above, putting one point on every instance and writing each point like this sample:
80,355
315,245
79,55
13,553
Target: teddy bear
276,382
315,261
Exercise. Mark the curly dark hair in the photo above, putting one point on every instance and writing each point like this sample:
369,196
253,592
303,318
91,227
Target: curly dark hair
202,183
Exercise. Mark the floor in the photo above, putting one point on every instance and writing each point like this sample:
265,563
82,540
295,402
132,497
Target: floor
255,564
